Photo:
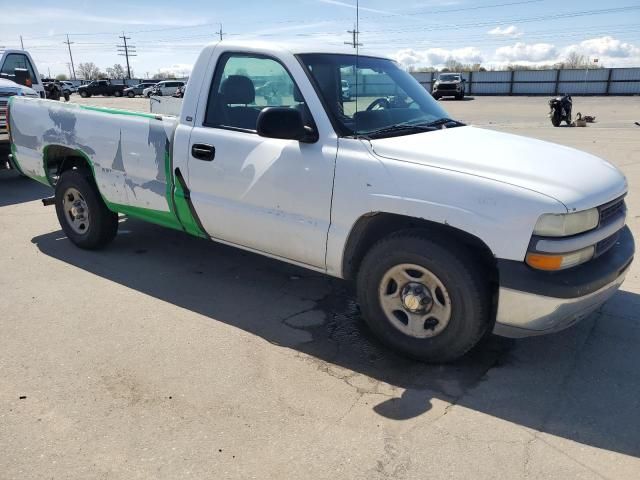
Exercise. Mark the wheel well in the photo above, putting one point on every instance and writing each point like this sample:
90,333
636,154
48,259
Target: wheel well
59,159
371,228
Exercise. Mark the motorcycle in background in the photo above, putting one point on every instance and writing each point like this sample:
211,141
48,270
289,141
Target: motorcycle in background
560,110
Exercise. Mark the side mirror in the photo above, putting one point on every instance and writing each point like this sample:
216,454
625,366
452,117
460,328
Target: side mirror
284,123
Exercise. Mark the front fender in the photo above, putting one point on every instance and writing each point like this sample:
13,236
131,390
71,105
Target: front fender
501,215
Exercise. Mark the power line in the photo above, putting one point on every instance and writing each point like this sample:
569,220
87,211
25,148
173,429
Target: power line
73,68
124,52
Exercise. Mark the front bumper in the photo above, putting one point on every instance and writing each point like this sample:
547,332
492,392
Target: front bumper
533,302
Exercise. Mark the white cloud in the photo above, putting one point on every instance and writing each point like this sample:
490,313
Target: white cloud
527,52
510,31
436,57
179,69
605,47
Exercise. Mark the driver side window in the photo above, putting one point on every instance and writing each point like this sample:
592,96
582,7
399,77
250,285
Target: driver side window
244,85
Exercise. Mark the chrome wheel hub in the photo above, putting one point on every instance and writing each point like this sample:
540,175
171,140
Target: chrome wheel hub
76,211
415,300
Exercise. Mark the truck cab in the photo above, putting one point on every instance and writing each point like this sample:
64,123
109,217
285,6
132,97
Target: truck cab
18,76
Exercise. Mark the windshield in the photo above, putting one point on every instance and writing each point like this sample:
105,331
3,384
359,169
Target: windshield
449,78
381,95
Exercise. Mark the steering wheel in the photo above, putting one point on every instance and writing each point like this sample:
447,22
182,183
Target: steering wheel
379,104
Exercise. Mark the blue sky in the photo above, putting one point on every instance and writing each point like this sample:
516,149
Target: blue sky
169,34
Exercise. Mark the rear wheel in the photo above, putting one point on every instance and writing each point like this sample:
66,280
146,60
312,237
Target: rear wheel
131,94
82,213
425,298
118,93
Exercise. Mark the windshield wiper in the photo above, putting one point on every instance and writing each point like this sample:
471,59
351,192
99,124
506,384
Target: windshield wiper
445,122
397,129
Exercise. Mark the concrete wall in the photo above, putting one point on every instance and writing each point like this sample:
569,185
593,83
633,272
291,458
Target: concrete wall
599,81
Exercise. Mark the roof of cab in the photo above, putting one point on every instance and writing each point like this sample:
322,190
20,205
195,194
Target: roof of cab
291,47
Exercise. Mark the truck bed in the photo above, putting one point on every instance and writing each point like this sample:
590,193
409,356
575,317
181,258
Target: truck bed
128,151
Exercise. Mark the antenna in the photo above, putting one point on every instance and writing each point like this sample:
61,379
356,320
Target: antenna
220,32
126,51
73,68
21,43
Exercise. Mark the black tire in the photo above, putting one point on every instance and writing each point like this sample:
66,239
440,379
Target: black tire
131,94
102,225
555,119
460,96
117,93
468,291
84,94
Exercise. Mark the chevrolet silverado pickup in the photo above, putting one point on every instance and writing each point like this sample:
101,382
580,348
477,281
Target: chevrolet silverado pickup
448,231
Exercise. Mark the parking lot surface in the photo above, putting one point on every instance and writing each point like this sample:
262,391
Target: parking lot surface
166,356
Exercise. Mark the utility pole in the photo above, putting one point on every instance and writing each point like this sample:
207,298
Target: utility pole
355,33
73,68
220,32
21,43
126,51
69,67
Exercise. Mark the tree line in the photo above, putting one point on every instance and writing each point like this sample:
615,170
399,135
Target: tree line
572,61
90,71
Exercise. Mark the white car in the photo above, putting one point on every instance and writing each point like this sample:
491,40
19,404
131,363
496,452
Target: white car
69,86
448,231
164,88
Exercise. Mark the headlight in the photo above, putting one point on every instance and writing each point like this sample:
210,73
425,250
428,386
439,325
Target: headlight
565,225
560,261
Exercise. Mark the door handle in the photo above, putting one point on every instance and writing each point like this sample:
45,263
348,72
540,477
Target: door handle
202,151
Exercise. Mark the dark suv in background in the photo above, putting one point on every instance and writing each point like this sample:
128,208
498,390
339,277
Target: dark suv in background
449,85
101,87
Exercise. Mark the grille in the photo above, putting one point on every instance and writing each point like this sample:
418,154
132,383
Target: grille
611,209
606,244
449,86
3,113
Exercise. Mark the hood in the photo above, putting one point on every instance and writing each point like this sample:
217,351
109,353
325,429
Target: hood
577,179
15,88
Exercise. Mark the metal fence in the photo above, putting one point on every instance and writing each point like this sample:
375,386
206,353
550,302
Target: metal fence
600,81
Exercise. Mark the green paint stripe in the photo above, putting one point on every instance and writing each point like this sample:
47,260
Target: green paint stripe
117,111
165,219
185,215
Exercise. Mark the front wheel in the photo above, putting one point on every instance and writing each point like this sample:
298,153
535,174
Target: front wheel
118,93
556,119
84,94
82,213
427,299
131,94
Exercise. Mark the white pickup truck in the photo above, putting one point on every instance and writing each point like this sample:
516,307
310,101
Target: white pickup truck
18,76
449,231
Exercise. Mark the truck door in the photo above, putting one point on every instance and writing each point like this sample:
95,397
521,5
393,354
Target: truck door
103,87
266,194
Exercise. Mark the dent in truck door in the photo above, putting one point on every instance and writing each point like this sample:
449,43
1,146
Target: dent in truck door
266,194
